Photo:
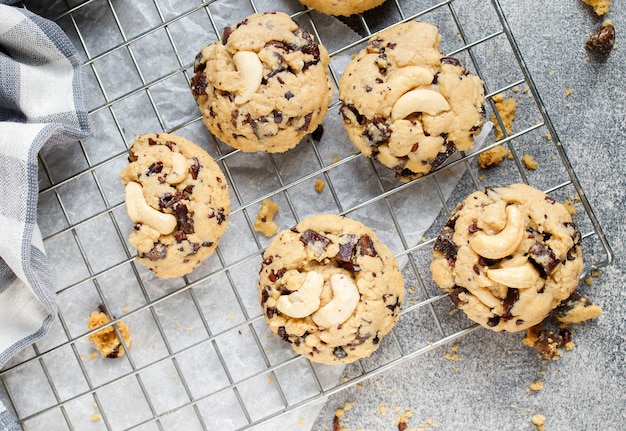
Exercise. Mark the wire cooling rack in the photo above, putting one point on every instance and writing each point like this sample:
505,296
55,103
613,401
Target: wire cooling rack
138,59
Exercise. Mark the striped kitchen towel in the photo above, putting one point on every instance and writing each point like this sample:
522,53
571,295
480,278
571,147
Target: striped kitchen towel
41,102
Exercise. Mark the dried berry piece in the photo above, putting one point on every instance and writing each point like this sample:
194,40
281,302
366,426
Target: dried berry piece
602,39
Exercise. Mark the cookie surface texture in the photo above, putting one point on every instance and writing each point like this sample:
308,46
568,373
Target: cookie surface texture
264,86
330,288
177,196
341,7
406,104
508,256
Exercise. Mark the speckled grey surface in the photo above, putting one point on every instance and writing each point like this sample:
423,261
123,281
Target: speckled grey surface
487,388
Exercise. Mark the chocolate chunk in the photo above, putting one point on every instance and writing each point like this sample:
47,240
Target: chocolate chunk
512,296
195,168
270,311
493,321
346,253
378,131
445,244
443,156
339,352
451,60
318,133
312,238
198,85
365,247
543,258
282,333
454,296
155,168
544,340
307,122
226,34
184,219
179,235
351,114
158,252
602,39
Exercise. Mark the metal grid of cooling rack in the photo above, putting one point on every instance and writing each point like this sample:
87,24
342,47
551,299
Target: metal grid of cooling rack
83,222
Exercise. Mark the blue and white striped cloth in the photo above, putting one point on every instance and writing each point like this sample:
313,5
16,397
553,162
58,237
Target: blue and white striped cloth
41,102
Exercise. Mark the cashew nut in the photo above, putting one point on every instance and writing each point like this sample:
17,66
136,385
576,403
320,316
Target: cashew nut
518,277
504,242
419,100
179,169
345,299
140,212
250,69
305,300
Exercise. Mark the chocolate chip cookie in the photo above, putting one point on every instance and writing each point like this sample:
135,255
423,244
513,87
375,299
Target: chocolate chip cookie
508,256
330,288
177,196
341,7
406,104
264,86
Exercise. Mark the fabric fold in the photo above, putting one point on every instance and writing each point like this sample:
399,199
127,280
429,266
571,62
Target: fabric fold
41,103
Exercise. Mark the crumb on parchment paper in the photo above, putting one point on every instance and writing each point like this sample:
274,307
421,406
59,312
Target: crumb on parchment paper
538,420
264,222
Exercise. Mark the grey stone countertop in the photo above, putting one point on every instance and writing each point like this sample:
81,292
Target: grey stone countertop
585,389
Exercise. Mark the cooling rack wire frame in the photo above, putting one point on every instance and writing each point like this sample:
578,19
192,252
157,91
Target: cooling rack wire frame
81,212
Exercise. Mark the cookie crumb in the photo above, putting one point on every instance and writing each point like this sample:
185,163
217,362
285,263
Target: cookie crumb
570,206
319,185
264,222
106,340
536,386
95,417
335,159
600,7
491,157
569,91
538,421
507,109
530,162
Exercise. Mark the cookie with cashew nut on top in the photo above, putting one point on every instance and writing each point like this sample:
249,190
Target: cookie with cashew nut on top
330,288
508,256
264,86
341,7
177,197
406,104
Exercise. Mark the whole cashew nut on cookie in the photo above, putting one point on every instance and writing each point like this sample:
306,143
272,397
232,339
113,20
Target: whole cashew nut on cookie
504,242
140,212
305,300
250,69
346,297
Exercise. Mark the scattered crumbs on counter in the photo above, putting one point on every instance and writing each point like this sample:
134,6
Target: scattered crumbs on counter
535,386
335,159
538,420
382,408
493,156
95,417
530,162
568,91
301,421
551,73
319,185
126,309
359,386
270,379
548,136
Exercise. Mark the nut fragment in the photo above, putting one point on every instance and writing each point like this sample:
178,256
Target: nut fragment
140,212
179,169
419,100
602,40
504,242
345,299
250,69
305,300
518,277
